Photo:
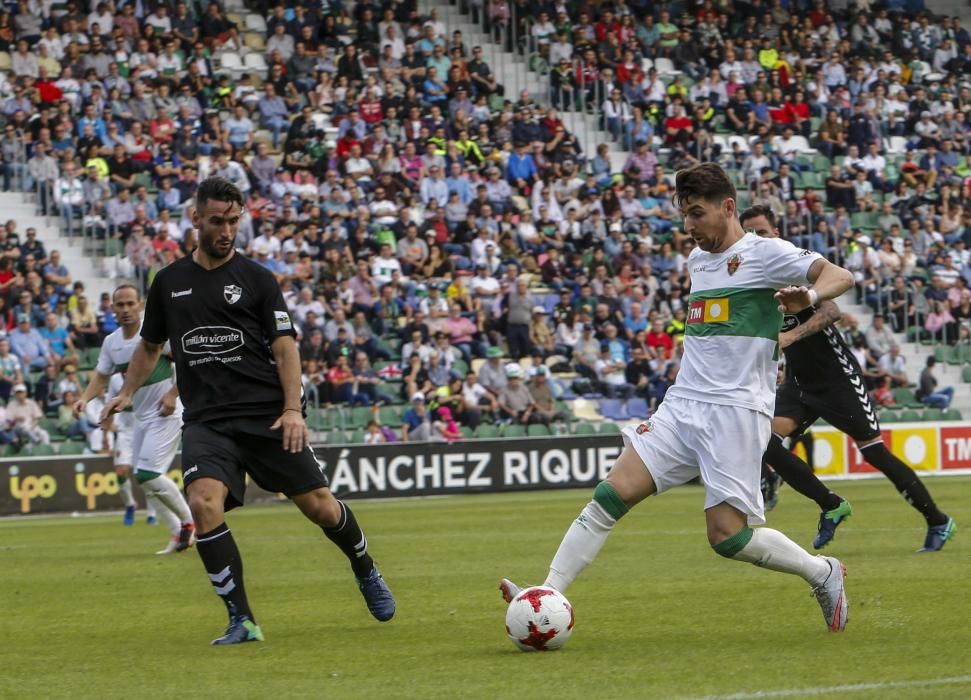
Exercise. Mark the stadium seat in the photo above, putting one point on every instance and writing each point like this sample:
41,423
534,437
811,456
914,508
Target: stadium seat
390,416
637,408
909,416
487,432
336,437
538,430
584,409
38,450
966,374
584,428
6,61
359,417
905,398
952,414
71,448
608,427
255,62
357,437
467,432
613,409
932,414
255,23
460,367
512,430
254,41
665,67
889,416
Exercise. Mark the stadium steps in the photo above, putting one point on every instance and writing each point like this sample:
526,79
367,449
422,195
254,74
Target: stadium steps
16,206
915,356
512,71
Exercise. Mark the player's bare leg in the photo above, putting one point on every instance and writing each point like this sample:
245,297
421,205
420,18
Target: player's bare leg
221,558
731,537
628,483
340,526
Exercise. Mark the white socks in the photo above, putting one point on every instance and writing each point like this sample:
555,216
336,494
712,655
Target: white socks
124,490
165,490
580,546
169,518
771,549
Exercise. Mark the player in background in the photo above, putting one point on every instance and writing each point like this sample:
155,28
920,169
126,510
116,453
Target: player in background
157,418
239,376
823,379
715,421
122,424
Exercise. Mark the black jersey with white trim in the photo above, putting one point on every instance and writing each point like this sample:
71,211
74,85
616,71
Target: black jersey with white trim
220,323
819,359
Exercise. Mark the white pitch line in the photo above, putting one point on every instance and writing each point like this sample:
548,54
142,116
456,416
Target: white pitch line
850,688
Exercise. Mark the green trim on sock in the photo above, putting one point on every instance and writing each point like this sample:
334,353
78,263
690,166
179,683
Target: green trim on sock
122,479
734,544
141,475
609,500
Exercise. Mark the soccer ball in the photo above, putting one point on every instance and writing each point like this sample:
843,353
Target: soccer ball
539,619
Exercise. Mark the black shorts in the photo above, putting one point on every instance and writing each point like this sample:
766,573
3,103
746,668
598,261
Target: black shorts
227,450
845,405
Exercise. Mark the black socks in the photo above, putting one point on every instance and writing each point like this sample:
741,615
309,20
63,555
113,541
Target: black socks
219,554
906,481
798,475
347,535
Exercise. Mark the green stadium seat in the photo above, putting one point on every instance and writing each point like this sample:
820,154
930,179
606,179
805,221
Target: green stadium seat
512,431
487,432
336,437
390,416
966,374
584,428
932,414
467,432
942,353
7,451
318,419
910,416
952,414
905,398
357,437
538,430
608,427
39,450
359,417
889,416
71,448
460,367
964,353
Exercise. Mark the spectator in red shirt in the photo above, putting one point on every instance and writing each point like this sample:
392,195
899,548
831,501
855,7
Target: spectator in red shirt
659,340
165,246
678,128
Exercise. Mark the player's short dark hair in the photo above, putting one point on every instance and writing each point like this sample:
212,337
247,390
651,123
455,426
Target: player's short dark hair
756,211
707,181
218,189
127,285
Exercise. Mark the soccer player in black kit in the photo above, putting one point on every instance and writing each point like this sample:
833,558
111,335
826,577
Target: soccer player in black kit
824,380
238,372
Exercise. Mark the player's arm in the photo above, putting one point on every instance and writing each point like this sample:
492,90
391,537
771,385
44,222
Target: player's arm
94,388
826,315
142,362
828,282
295,435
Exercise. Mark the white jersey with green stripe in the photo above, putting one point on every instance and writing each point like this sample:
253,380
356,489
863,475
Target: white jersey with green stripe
731,338
116,352
124,421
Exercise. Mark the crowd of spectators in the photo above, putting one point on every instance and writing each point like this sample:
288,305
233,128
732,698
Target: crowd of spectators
425,225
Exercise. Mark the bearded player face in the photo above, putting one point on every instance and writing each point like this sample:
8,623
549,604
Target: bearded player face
218,224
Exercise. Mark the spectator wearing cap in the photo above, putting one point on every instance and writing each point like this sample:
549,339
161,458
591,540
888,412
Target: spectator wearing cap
514,400
24,416
544,402
540,333
416,422
28,345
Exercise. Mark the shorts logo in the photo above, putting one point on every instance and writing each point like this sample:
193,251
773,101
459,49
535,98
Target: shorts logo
232,293
708,311
282,321
645,427
211,340
733,263
188,471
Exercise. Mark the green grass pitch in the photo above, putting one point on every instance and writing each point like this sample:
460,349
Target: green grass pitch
88,611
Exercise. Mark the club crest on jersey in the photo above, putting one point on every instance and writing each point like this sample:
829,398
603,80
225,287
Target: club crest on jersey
734,262
645,427
232,293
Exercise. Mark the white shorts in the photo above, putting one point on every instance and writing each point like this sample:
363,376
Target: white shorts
721,444
155,443
123,443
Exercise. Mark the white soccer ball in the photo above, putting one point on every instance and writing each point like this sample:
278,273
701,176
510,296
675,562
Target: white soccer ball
539,619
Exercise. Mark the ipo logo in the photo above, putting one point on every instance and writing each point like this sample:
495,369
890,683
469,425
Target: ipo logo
28,488
95,484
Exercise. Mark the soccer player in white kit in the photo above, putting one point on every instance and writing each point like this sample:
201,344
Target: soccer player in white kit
123,426
157,418
715,422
